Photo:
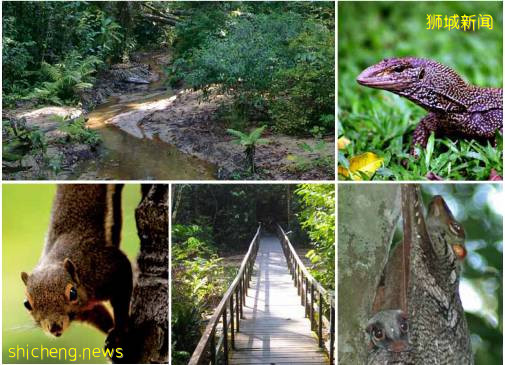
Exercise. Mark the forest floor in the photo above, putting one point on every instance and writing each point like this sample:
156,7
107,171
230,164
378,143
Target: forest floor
133,99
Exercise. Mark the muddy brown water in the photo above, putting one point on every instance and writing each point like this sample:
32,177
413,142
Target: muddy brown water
124,156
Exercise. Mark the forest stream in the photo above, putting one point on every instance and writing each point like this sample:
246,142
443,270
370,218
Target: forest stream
127,152
151,131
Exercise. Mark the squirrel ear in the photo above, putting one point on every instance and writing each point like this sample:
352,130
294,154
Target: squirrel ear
70,267
24,277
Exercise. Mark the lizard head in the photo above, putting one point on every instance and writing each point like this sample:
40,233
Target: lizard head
394,74
54,296
388,329
425,82
446,234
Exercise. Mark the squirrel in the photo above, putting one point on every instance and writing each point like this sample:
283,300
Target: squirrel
81,264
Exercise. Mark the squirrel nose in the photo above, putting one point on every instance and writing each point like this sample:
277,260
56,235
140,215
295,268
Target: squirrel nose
56,329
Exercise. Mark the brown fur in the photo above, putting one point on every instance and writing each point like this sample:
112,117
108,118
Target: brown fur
82,253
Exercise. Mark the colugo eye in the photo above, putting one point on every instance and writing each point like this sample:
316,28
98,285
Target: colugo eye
404,326
378,333
27,304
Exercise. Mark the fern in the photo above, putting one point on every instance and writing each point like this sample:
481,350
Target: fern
249,141
62,81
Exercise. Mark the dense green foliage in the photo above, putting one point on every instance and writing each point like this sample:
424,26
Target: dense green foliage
212,222
317,217
197,278
52,50
381,122
275,60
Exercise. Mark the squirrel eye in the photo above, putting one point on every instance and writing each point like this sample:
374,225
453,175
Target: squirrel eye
404,326
378,333
27,304
73,294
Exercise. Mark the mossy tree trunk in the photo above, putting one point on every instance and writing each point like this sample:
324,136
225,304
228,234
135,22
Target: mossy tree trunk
149,307
367,217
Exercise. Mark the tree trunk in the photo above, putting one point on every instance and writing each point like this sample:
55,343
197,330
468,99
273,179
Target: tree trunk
367,217
148,329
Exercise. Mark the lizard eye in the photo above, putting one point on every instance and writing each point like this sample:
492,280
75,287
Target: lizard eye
378,334
399,68
421,74
455,228
71,293
27,304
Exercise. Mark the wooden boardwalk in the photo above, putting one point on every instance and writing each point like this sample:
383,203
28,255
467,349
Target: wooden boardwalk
275,330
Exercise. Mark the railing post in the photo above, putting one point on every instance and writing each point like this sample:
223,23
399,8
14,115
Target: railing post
244,292
307,297
332,334
237,308
302,296
242,301
312,307
320,328
213,358
296,279
225,337
300,277
232,324
245,277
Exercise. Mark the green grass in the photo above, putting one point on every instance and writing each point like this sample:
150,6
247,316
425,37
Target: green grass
381,122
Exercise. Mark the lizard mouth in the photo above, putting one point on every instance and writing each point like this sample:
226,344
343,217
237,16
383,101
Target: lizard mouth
369,77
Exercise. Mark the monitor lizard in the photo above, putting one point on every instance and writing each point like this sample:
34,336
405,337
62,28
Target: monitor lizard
455,108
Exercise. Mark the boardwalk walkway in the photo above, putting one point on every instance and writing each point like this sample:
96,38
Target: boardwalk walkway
275,330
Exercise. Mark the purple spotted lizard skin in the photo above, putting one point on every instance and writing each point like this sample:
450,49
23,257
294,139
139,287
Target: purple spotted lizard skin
456,109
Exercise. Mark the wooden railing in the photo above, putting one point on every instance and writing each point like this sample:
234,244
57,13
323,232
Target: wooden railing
316,299
228,314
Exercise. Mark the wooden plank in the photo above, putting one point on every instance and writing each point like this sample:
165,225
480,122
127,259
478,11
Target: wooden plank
274,329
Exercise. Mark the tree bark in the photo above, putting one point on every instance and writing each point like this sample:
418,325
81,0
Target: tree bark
148,331
367,217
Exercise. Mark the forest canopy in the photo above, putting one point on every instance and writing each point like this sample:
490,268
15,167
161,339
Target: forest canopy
276,60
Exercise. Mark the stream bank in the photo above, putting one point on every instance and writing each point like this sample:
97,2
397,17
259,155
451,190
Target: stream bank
150,131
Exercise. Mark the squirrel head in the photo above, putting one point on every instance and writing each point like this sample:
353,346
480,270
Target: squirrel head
54,295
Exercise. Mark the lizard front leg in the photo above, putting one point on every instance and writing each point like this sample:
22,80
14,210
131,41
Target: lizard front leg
428,124
484,124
